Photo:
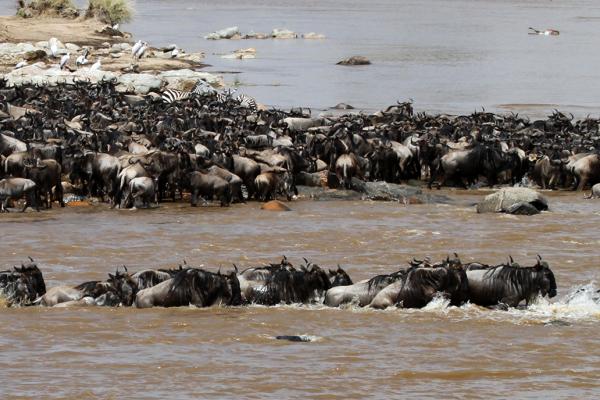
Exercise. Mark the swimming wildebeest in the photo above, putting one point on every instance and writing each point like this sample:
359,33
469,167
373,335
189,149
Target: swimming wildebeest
422,284
289,285
23,285
363,292
192,286
509,284
119,289
15,188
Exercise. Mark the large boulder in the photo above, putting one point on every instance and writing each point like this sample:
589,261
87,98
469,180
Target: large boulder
138,83
283,34
522,201
186,78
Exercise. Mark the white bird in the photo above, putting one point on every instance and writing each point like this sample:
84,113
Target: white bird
53,46
141,51
81,60
174,52
135,48
21,64
115,27
64,60
96,66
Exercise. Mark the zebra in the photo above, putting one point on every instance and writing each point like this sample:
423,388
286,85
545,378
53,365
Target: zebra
172,95
246,102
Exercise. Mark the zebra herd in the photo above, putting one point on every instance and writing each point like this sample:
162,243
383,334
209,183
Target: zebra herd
201,88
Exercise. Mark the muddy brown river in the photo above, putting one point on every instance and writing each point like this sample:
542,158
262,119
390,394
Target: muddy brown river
549,350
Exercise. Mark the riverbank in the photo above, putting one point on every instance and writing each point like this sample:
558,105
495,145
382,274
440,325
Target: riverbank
26,42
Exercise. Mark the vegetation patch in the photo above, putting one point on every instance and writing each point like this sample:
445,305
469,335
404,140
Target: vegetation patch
39,8
110,11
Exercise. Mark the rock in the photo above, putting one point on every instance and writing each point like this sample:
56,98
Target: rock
116,48
256,35
522,208
384,191
510,200
342,106
242,54
116,55
275,205
313,35
283,34
35,55
314,179
184,77
138,83
109,31
355,60
227,33
72,47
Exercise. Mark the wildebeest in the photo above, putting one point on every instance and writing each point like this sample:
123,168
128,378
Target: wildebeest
422,284
209,186
346,167
9,145
289,285
98,170
192,286
22,285
509,284
15,188
143,189
119,289
47,177
363,292
270,184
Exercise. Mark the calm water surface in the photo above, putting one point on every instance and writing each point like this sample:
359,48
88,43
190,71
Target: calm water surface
551,350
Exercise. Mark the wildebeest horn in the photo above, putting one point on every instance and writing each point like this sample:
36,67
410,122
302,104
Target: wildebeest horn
30,259
511,259
235,268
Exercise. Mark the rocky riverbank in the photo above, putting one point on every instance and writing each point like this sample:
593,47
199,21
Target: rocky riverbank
27,43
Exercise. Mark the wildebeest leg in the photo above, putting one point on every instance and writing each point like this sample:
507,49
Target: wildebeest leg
582,183
4,205
194,201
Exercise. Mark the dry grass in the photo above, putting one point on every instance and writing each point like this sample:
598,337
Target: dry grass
37,8
110,11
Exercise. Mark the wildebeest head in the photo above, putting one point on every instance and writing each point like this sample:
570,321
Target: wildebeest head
339,277
547,280
124,287
234,294
34,276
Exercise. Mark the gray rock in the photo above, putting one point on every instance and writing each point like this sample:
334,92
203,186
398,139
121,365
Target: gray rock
283,34
355,60
302,124
309,179
72,47
595,191
133,100
138,83
178,78
384,191
226,33
522,209
510,200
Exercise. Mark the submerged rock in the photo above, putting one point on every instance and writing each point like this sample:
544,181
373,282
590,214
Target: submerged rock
275,205
313,35
355,60
514,200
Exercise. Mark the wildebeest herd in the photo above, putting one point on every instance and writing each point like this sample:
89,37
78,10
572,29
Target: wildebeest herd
504,285
88,139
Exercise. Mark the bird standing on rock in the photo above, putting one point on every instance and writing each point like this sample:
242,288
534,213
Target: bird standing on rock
135,48
64,60
141,51
175,52
96,66
53,46
81,60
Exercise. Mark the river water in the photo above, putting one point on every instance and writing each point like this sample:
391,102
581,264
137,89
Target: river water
550,350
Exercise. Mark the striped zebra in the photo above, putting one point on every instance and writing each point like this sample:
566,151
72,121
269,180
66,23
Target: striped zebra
173,95
246,102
